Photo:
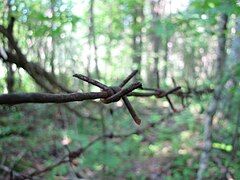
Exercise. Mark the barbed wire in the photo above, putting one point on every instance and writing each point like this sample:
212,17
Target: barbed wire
108,94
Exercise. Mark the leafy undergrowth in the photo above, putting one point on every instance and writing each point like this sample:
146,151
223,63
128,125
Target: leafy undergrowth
33,136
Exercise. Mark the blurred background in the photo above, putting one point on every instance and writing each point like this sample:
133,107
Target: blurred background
194,44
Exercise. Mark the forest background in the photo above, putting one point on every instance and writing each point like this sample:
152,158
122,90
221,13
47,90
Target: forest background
186,133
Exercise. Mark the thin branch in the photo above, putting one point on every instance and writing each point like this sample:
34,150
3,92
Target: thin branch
10,171
65,159
48,168
142,130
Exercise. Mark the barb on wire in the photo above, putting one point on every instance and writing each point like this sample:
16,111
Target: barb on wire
91,81
171,104
135,117
159,93
125,81
121,92
116,93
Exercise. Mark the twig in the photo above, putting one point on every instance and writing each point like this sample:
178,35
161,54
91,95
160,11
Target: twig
9,170
48,168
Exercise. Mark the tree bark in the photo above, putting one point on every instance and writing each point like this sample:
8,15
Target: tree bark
212,108
52,58
155,8
137,42
165,71
10,78
34,70
92,33
234,56
235,143
234,60
10,72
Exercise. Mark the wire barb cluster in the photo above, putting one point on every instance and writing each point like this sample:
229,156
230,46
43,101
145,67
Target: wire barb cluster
117,92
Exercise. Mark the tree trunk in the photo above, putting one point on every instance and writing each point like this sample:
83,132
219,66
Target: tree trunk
166,59
10,78
10,71
138,18
155,8
212,108
93,37
234,56
52,58
234,60
235,143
